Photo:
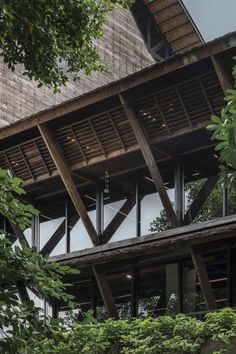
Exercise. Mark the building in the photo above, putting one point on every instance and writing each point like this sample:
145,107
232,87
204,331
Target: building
135,136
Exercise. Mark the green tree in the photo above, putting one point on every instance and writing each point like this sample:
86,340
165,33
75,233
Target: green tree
51,38
224,132
22,324
212,209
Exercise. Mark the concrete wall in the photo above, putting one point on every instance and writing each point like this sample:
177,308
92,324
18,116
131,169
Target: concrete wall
122,48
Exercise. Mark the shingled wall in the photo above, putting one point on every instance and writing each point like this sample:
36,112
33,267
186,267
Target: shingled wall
122,48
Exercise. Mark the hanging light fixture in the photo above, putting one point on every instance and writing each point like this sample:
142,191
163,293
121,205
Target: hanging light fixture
106,189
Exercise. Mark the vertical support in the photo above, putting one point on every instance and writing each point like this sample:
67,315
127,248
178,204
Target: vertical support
179,193
94,297
172,288
99,214
203,278
35,234
138,209
67,222
55,308
134,292
225,201
230,277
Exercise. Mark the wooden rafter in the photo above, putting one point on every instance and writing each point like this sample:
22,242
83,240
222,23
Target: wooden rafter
149,159
203,278
67,180
200,199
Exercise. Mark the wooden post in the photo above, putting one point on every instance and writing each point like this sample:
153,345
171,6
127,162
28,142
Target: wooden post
149,159
23,293
67,180
106,293
179,193
203,278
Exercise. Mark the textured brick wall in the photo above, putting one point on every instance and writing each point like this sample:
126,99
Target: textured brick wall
121,48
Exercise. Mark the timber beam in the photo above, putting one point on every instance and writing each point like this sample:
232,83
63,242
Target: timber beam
67,180
57,236
118,219
224,78
203,278
19,234
106,293
200,199
149,159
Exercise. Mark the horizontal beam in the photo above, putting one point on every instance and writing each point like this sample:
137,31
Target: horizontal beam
209,231
123,85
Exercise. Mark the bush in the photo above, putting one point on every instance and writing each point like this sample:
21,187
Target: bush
179,335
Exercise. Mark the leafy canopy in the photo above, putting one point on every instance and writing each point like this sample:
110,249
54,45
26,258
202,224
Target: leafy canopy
23,324
224,132
51,38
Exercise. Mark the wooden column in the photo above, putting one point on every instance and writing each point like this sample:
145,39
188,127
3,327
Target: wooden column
179,193
200,199
203,278
106,293
149,159
67,180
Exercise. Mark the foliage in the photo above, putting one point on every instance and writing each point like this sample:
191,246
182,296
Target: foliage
210,210
52,38
224,132
22,325
10,206
179,335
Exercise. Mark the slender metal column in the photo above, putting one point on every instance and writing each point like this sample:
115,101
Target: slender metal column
179,193
134,292
67,223
99,214
225,201
138,209
35,229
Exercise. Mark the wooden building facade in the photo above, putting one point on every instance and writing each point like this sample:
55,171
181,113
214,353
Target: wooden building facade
128,139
